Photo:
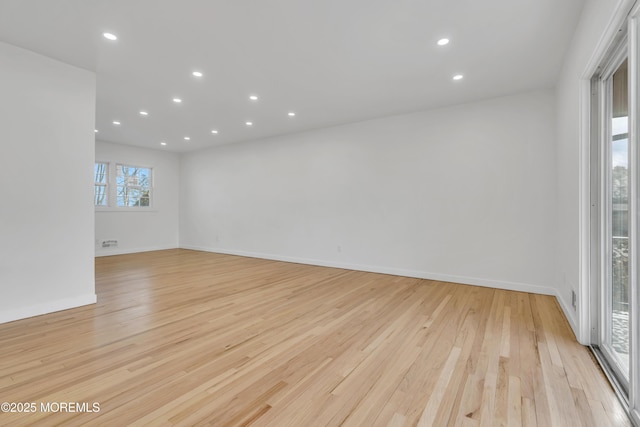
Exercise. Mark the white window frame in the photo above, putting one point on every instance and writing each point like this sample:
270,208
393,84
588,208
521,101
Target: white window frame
105,185
151,177
112,188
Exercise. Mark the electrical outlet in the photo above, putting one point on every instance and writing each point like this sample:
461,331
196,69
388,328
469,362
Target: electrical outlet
339,248
573,299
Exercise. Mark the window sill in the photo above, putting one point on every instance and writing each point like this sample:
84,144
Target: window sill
137,210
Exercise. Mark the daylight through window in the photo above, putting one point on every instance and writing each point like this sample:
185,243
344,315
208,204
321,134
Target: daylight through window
133,186
101,194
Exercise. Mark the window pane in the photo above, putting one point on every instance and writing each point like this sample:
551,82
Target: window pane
144,200
100,177
120,175
134,196
100,195
100,173
619,292
134,186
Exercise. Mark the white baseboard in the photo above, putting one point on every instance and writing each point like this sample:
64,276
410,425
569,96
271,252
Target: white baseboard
46,307
488,283
109,252
570,314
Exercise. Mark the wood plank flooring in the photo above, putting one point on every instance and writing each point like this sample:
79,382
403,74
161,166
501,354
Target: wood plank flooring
188,338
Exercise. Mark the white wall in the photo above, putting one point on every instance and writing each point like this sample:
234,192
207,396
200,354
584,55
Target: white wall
589,42
464,194
46,215
141,230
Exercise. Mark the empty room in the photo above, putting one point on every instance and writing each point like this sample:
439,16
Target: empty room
319,213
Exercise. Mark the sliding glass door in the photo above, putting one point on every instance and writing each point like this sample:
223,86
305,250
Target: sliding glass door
617,311
615,224
614,339
633,311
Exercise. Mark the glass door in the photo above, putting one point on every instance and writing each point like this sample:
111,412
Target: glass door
615,290
615,220
633,310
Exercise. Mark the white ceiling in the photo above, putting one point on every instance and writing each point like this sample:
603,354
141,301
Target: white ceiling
330,61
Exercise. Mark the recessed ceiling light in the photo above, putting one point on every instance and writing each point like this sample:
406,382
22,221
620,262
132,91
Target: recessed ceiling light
95,131
115,122
249,123
214,131
291,114
177,100
443,42
163,143
110,36
458,77
197,74
253,97
186,138
144,113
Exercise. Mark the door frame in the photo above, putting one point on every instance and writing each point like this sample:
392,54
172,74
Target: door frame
625,16
601,206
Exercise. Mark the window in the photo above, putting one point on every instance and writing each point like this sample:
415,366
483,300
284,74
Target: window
133,186
100,176
118,186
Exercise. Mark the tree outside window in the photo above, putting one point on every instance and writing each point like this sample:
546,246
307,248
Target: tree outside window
133,186
101,194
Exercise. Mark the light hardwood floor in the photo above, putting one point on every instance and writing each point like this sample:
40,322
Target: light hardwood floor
182,337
